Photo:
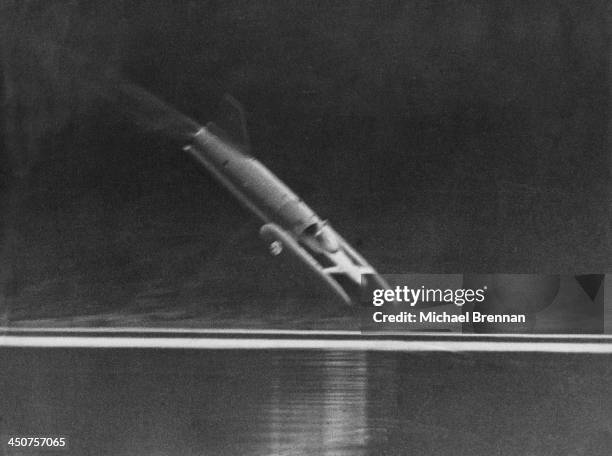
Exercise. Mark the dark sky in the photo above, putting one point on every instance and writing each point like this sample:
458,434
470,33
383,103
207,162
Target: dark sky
436,137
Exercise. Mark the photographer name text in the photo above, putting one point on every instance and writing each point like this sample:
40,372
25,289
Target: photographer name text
445,317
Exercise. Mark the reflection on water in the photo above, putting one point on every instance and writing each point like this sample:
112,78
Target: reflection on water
323,413
174,402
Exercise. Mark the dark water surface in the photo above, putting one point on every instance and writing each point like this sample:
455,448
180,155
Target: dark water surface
231,402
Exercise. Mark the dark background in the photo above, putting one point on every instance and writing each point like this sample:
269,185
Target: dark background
436,136
227,402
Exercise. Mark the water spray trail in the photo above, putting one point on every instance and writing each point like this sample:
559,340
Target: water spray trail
152,114
104,85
